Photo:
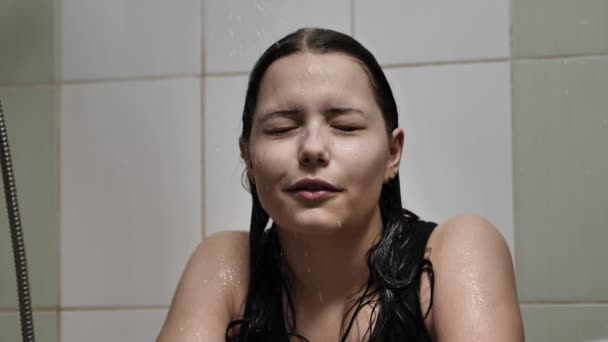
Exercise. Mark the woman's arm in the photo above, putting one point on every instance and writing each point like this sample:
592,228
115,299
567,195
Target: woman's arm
475,297
206,297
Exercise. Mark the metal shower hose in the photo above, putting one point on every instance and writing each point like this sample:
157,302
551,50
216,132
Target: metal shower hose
10,191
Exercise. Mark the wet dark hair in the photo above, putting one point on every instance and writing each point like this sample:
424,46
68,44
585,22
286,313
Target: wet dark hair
395,262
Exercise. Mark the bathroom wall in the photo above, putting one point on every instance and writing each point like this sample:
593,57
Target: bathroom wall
29,93
560,131
123,119
104,113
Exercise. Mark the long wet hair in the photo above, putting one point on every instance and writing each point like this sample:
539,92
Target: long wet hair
395,262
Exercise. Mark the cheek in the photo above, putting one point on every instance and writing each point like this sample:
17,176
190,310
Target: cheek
366,160
269,162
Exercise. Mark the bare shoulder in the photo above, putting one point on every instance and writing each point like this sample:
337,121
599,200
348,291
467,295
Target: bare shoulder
460,232
475,297
210,290
228,248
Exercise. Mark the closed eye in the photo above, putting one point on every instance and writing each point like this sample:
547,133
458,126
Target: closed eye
347,128
280,130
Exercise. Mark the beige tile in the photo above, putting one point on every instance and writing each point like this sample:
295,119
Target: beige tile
561,189
134,38
412,31
565,322
227,203
26,41
32,134
559,27
456,118
237,32
130,190
45,327
112,325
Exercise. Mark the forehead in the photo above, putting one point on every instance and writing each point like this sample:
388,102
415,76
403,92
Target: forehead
309,74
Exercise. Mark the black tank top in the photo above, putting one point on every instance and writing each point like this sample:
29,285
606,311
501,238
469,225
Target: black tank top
422,231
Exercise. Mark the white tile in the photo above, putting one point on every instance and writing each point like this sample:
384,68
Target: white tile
115,326
227,203
457,157
410,31
130,190
117,38
238,31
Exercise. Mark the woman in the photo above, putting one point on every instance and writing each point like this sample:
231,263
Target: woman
342,261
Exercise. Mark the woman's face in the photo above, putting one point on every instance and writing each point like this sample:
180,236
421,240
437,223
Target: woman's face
319,151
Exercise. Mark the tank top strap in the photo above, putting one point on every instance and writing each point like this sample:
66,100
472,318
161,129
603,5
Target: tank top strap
422,231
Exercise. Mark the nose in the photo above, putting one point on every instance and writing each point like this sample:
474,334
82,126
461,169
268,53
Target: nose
314,150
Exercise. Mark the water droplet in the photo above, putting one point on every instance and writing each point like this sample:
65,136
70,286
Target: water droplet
339,224
320,296
308,269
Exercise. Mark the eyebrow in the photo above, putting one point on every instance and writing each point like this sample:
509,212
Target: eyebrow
290,113
294,113
337,111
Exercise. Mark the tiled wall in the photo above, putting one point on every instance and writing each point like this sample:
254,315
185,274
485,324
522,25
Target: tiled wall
123,119
560,130
104,114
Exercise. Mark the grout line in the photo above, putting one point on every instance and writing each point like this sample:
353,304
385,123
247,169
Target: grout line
202,125
443,63
130,79
51,309
57,113
352,18
389,66
513,142
21,86
510,28
564,302
114,308
246,73
100,80
558,57
58,76
226,74
34,309
386,66
58,309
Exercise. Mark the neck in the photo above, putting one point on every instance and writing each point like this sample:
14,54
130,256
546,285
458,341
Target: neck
330,268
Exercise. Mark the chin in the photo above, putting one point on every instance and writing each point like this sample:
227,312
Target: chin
314,224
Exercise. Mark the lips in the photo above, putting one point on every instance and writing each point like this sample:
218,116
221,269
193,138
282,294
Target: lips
313,191
312,185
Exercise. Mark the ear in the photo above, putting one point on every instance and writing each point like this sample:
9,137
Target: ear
395,148
246,155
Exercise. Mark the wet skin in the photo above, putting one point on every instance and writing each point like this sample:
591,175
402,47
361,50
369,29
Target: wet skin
317,120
